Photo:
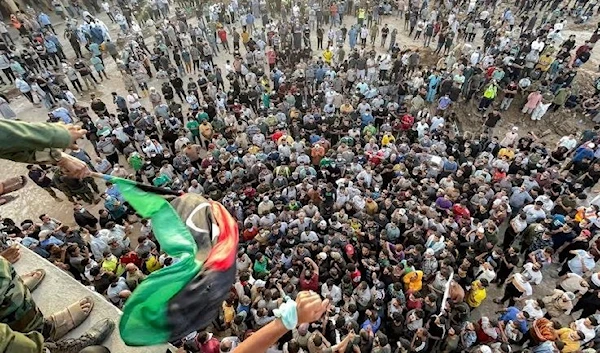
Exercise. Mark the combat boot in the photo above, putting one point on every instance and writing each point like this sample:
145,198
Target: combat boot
94,336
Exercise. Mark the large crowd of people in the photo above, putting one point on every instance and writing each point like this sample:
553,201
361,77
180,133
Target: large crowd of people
346,161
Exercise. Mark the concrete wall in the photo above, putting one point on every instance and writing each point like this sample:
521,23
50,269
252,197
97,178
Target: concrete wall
58,290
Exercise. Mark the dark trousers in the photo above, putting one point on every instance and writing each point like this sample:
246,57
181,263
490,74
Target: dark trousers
181,94
7,38
85,194
564,270
9,74
51,191
29,96
51,28
77,84
509,237
113,158
510,293
485,103
587,310
77,50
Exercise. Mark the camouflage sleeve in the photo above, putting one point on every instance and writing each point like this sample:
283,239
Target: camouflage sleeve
12,341
17,308
31,142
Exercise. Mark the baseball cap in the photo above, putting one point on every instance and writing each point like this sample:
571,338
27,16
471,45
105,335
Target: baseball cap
349,249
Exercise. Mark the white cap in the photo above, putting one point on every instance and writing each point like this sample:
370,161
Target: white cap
485,349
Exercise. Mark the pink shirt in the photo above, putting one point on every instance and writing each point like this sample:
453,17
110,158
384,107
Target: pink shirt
533,100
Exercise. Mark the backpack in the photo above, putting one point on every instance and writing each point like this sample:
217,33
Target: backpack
536,74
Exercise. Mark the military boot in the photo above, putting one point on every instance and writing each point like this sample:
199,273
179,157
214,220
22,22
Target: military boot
94,336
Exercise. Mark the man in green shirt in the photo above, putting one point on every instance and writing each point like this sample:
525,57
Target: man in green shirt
136,161
201,116
192,126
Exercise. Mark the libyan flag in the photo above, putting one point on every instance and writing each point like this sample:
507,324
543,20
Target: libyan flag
187,295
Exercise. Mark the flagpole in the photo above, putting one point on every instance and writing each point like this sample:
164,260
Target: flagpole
142,186
446,295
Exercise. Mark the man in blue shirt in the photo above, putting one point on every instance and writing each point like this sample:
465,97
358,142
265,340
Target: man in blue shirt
61,114
584,152
52,51
250,22
517,316
113,191
44,20
366,118
54,39
373,320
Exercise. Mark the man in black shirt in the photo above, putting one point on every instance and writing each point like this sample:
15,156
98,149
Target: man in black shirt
98,106
39,177
569,44
177,84
492,119
384,34
85,72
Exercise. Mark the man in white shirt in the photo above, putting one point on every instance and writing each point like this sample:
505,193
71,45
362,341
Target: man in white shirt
538,45
331,291
534,212
483,15
475,57
569,142
533,309
588,326
134,100
243,262
195,187
533,271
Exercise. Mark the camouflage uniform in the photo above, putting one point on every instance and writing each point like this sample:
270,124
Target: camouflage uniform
12,341
32,142
18,313
17,310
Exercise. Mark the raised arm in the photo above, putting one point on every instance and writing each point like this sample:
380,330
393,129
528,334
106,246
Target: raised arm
313,264
41,143
309,308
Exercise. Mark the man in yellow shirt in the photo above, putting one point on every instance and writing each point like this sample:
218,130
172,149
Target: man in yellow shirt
387,138
245,37
477,294
361,16
328,56
507,152
544,62
413,281
571,338
346,108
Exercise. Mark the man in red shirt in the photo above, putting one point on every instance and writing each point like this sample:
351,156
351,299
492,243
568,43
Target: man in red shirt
355,275
309,279
223,37
207,343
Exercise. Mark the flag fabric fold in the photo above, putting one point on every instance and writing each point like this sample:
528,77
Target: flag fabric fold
185,296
